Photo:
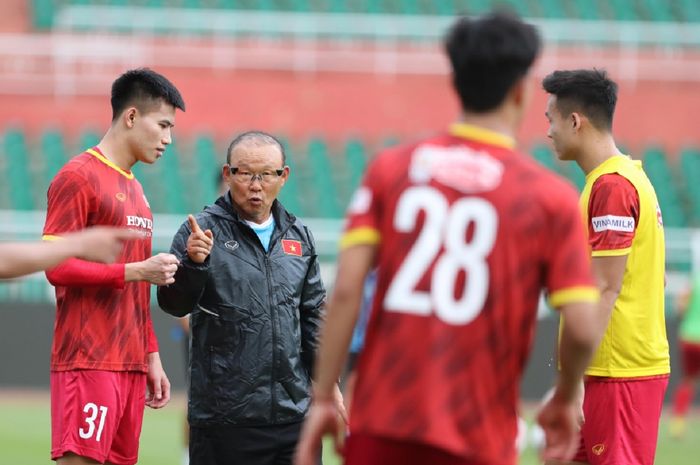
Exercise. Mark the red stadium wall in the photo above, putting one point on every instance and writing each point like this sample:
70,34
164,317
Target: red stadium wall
341,105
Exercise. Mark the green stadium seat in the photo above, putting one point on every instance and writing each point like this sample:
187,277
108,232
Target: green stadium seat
356,161
624,10
17,170
552,9
659,173
690,10
657,10
171,181
325,196
544,155
290,196
43,13
88,138
53,153
690,172
207,169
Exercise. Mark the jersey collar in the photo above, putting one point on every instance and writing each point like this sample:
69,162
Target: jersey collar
482,135
95,152
612,161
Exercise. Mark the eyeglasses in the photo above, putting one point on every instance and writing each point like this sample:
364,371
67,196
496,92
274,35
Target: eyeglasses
246,177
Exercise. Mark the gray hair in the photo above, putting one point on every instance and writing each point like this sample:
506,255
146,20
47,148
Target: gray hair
258,139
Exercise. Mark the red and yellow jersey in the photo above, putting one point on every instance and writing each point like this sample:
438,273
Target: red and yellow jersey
622,213
469,233
100,327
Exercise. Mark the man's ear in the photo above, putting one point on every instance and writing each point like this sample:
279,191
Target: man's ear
130,117
576,120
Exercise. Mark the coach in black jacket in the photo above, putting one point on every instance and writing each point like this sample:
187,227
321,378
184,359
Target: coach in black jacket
250,277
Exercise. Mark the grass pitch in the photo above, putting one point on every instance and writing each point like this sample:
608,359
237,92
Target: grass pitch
25,435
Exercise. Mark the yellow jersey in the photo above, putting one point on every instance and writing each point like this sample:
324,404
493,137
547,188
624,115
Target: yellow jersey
622,215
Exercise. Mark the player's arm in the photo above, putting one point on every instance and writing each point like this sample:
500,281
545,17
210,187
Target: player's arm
97,244
580,334
159,269
192,247
609,273
611,196
341,314
573,292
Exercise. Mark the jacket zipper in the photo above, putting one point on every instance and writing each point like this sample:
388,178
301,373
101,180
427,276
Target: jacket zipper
273,318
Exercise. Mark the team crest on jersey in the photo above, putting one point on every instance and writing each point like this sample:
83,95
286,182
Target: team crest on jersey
598,449
460,167
120,196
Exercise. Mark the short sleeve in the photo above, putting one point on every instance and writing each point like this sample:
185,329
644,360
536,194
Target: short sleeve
69,204
613,215
569,275
362,222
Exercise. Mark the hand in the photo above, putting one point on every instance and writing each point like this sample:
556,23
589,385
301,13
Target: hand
322,419
102,244
158,384
159,269
199,243
559,419
340,405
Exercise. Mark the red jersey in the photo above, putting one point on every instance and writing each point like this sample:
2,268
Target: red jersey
469,232
105,327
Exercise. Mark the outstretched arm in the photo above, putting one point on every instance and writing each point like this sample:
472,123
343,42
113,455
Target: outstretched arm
94,244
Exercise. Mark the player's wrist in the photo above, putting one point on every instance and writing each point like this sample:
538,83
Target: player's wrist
133,272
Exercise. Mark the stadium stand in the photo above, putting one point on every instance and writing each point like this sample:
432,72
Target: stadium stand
17,170
690,173
324,173
660,174
45,11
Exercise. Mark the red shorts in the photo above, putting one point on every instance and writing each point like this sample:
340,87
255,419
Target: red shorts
621,420
690,356
97,414
367,449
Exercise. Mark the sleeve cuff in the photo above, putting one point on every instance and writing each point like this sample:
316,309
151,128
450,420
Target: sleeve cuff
574,294
611,253
360,236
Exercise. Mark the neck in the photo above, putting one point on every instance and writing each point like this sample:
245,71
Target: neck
499,120
116,150
596,151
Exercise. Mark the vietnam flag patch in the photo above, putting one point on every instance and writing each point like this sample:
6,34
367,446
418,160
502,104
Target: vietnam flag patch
291,247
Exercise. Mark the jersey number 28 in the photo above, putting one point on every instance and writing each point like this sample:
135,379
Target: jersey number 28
445,226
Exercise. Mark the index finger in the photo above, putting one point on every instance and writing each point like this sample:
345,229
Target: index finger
193,224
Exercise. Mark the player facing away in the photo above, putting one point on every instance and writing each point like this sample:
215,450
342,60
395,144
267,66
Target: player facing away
627,378
465,232
105,353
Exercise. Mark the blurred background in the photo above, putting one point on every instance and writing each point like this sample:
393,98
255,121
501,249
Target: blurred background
336,80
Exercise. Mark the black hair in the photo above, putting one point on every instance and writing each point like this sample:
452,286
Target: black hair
589,91
489,54
141,87
258,138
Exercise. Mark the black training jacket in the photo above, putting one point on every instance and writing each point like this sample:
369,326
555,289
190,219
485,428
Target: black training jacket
255,319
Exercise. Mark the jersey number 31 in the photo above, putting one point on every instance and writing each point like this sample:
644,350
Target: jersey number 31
445,227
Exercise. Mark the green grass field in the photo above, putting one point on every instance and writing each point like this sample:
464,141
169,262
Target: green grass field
25,435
